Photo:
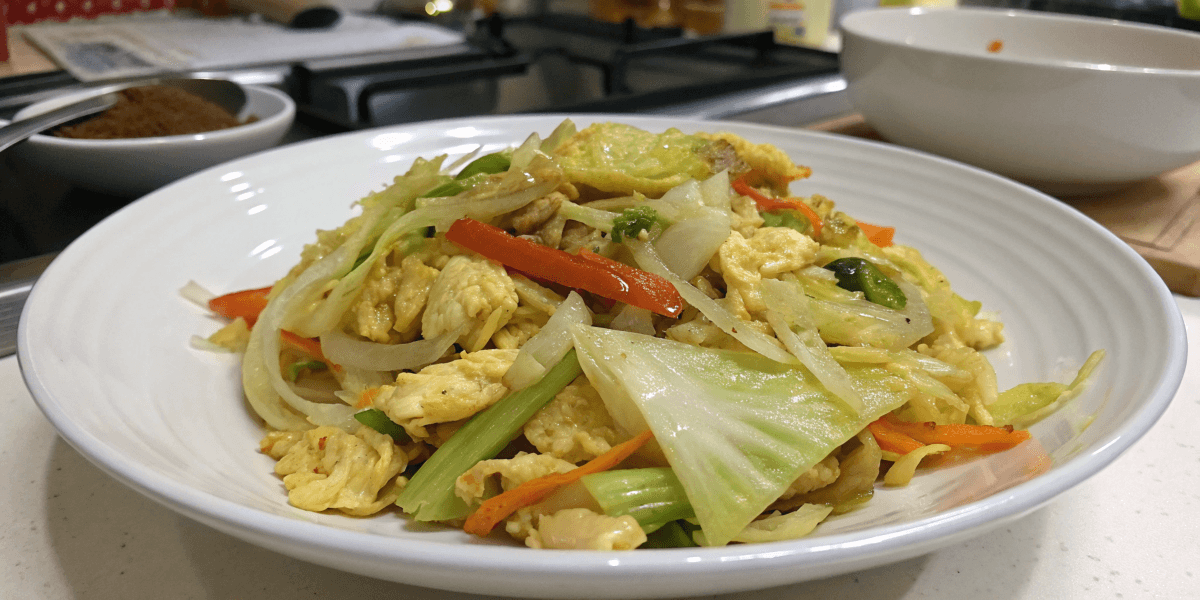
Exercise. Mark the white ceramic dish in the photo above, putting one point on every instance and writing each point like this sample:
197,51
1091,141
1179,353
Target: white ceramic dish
133,167
103,346
1070,104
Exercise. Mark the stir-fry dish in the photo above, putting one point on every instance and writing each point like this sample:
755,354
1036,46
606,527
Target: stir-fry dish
611,338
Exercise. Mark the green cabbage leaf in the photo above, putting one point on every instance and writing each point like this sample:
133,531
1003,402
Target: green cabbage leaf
736,428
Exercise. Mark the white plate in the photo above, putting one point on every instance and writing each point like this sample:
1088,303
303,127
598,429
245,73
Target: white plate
103,345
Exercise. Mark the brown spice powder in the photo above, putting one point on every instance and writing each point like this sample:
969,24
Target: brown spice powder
151,111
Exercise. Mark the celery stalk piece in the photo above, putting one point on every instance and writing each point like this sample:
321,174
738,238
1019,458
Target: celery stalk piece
653,496
670,535
429,496
736,427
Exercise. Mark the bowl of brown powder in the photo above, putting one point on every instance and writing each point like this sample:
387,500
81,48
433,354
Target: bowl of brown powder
153,136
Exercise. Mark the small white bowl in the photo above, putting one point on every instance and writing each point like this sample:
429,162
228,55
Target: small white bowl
1066,103
136,166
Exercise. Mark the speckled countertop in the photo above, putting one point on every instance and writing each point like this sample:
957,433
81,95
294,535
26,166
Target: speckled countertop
71,531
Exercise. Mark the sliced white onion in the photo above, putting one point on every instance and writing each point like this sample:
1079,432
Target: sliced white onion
196,294
549,345
201,343
262,378
687,246
715,191
562,133
753,339
915,309
484,209
806,344
634,320
525,153
342,349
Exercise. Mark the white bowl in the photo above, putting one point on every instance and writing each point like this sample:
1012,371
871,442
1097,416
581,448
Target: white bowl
133,167
1069,104
113,370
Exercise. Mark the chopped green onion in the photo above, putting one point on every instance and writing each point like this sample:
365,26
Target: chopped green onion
429,495
378,420
632,222
296,368
861,275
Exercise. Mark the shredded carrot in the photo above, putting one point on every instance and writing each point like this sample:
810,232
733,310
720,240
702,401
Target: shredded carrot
880,236
246,304
499,507
766,203
367,398
309,346
982,438
891,440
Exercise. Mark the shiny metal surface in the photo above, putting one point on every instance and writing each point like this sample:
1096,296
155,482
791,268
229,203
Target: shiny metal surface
16,281
18,131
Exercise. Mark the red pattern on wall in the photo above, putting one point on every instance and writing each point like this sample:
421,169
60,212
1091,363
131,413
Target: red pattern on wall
33,11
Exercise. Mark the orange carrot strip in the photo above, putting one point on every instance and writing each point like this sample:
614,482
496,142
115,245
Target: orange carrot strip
984,438
310,346
880,236
891,440
499,507
246,304
367,398
769,204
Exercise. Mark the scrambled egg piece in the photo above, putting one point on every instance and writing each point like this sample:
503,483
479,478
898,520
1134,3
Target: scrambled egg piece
770,252
532,216
770,165
327,468
582,529
575,426
525,323
490,477
745,218
472,292
416,279
820,475
445,392
373,311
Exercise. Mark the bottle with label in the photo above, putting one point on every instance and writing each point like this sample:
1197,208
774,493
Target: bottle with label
743,16
801,22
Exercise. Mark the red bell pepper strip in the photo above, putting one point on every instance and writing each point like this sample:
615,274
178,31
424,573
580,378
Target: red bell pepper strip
246,304
586,270
769,204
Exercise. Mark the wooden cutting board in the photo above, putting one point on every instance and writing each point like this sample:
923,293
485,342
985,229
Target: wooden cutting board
1156,217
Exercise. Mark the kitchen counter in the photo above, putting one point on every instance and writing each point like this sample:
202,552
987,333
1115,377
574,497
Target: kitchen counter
74,532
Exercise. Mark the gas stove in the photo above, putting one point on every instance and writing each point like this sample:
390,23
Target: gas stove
561,63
